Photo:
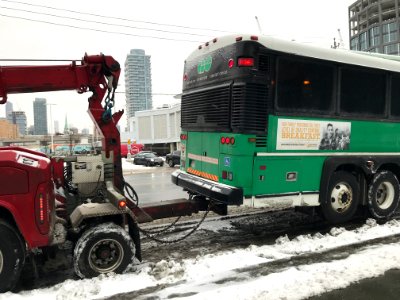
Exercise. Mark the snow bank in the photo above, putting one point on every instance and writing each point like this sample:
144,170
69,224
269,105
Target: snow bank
221,274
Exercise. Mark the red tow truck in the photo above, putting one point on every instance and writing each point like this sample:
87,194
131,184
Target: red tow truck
47,201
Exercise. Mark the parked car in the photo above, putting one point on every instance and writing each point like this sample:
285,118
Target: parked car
148,159
83,149
173,158
62,150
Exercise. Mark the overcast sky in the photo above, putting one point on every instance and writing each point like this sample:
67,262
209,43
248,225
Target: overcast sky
44,29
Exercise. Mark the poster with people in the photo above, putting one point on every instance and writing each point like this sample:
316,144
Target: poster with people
295,134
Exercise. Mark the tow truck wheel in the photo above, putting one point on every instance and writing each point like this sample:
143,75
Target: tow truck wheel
102,249
12,257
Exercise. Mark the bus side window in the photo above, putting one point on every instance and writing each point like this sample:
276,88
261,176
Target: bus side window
395,97
362,91
304,86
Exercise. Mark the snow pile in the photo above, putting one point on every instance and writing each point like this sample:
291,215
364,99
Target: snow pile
247,273
128,166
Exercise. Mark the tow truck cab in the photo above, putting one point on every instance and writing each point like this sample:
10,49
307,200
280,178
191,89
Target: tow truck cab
27,193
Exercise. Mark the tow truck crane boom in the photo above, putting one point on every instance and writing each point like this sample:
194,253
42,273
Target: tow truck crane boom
96,73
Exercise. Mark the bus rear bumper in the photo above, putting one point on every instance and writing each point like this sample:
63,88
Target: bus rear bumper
222,193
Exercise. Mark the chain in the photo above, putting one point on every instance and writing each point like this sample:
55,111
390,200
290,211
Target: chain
149,235
109,104
164,229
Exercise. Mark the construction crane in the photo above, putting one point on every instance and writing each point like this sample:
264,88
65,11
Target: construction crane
341,43
259,26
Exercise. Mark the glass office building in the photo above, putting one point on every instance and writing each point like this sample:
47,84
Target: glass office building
374,26
40,116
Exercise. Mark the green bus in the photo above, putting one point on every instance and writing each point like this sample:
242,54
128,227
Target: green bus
266,120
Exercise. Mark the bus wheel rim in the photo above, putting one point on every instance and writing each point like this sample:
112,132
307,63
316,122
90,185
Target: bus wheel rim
384,195
341,197
106,255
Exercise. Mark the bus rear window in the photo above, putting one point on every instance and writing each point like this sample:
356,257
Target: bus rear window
304,86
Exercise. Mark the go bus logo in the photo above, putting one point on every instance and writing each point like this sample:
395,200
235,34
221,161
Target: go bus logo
204,65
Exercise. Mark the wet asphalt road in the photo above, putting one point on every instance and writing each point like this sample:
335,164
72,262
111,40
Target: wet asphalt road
154,184
386,287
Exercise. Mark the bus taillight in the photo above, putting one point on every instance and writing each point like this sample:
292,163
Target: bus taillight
246,62
227,140
183,137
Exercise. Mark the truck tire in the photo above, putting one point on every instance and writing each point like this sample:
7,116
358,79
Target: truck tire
383,195
12,256
102,249
342,198
171,163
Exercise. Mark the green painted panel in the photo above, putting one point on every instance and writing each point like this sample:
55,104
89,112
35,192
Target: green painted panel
194,146
210,153
240,169
278,175
276,178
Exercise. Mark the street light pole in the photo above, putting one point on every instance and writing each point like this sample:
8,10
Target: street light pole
51,129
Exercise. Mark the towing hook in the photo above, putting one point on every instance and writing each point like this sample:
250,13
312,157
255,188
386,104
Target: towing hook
106,116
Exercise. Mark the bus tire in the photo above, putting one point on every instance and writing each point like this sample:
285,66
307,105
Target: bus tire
103,249
12,256
383,195
342,198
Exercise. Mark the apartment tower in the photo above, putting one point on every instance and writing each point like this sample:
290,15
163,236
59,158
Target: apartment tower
137,83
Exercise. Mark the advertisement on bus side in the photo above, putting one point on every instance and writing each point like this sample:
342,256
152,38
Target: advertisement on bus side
295,134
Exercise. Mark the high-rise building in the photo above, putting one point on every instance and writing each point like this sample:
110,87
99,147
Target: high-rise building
40,116
56,126
137,82
9,110
66,126
19,119
374,26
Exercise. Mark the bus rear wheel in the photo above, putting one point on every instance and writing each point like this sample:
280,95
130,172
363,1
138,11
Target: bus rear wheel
383,195
342,198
